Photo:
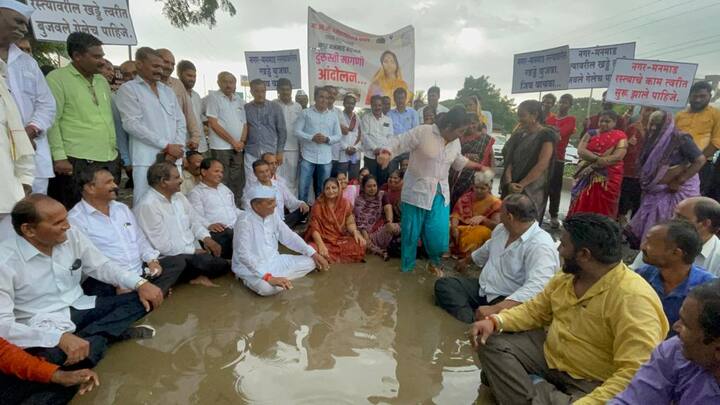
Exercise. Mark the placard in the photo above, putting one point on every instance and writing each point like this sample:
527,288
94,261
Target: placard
652,83
592,67
545,70
270,66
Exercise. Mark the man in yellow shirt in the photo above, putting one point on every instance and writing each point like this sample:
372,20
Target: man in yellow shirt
702,122
602,321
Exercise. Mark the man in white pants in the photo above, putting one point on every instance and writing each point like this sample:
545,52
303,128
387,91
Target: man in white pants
256,259
291,157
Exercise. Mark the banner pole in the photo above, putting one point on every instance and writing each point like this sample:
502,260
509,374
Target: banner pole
589,103
129,52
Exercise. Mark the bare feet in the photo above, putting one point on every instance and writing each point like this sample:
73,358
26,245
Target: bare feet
203,281
435,271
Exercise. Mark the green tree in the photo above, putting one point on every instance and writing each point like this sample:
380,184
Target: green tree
46,53
501,107
183,13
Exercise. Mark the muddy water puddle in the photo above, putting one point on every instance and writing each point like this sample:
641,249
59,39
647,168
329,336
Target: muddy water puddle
362,333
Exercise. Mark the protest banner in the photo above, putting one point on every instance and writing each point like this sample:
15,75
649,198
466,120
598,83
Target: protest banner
359,63
545,70
592,67
108,20
272,65
651,83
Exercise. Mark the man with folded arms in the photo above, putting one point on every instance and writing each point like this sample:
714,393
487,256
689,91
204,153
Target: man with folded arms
602,320
256,259
174,228
113,229
42,305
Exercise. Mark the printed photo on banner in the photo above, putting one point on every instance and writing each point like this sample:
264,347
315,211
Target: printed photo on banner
108,20
651,83
592,67
359,63
545,70
270,66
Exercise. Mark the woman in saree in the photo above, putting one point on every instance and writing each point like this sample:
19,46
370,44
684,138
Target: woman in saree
478,147
387,78
528,156
474,216
669,164
374,219
600,172
332,231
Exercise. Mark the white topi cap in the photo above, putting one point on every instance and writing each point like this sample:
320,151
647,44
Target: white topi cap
300,93
21,8
261,191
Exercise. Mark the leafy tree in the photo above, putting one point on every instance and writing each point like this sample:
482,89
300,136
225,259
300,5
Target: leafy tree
183,13
46,53
501,107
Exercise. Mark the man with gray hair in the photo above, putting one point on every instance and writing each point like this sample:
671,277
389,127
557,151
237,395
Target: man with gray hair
517,262
194,127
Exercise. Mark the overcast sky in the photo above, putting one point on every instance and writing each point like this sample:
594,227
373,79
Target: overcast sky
454,38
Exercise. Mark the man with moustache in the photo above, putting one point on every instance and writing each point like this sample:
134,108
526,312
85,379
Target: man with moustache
191,171
266,129
84,132
152,118
194,128
187,73
602,319
291,157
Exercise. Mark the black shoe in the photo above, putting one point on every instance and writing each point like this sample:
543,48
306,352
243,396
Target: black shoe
138,332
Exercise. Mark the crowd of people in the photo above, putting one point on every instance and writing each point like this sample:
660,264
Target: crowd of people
218,184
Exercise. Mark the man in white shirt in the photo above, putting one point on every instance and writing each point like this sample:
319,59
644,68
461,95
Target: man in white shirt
112,228
194,128
42,305
215,204
433,99
174,228
297,209
291,157
346,153
376,129
188,75
29,89
517,262
283,198
152,119
256,259
228,132
704,214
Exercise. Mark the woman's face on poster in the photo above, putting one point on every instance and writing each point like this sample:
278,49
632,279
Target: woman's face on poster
389,64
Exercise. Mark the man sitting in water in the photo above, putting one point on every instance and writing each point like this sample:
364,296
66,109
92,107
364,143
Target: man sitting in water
256,259
174,228
516,262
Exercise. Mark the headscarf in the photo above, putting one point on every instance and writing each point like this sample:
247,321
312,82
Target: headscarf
654,158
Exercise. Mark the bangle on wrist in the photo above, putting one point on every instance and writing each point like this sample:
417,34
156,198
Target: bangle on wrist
140,283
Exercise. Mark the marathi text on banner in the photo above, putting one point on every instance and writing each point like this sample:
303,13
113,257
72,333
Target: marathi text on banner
545,70
651,83
592,67
359,63
108,20
272,65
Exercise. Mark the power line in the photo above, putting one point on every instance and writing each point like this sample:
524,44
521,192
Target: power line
714,4
682,46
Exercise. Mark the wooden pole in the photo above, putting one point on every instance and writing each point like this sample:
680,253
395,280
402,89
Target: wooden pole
589,103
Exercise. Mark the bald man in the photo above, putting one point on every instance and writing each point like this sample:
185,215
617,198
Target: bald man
704,214
193,127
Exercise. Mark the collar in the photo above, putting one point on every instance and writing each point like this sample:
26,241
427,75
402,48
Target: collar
26,249
202,184
694,277
709,247
257,217
73,70
157,195
610,279
89,209
530,232
279,101
327,110
14,53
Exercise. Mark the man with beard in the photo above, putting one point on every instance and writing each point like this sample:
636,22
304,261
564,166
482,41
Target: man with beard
602,320
683,369
702,122
112,228
187,73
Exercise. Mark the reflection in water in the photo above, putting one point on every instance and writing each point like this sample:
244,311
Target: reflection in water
362,333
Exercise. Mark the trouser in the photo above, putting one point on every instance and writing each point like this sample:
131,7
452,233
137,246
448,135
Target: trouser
16,391
203,264
290,170
6,228
294,218
172,269
630,194
556,186
460,297
235,171
351,169
433,226
100,326
509,359
65,188
379,173
40,185
312,173
225,240
288,266
707,173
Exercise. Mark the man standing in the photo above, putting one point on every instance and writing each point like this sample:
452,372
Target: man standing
376,129
291,156
318,129
403,119
348,151
266,127
602,320
256,259
433,99
669,250
228,133
28,87
128,70
152,118
302,99
84,131
564,124
194,128
702,122
188,75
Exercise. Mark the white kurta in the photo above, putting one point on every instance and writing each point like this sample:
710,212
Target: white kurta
214,205
15,173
